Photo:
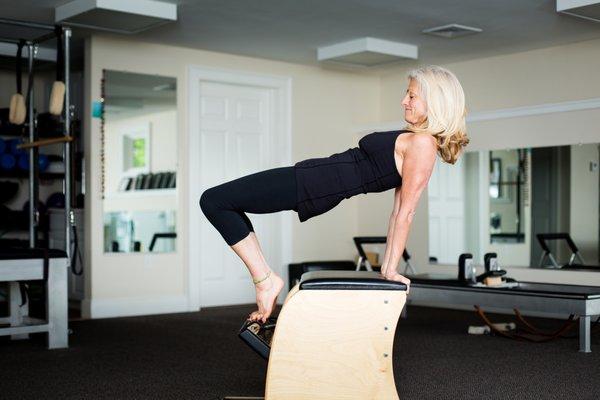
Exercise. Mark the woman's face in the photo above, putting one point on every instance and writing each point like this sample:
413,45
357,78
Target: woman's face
415,108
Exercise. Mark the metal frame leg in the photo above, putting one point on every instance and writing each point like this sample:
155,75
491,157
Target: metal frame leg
57,304
17,312
584,334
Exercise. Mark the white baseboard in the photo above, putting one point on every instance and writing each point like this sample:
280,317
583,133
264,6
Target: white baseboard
128,307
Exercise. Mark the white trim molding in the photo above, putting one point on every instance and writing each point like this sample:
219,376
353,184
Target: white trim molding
282,92
538,109
503,113
128,307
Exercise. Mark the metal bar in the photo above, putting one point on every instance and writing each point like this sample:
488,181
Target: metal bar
45,142
57,304
553,260
43,38
33,153
26,24
584,334
69,221
20,330
11,41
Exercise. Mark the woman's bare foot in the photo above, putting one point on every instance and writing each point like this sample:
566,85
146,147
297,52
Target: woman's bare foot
394,276
266,297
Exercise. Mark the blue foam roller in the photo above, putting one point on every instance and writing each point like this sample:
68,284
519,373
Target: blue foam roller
43,162
8,161
2,145
12,147
56,200
23,162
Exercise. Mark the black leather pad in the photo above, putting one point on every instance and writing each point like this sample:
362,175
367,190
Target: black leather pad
347,280
24,253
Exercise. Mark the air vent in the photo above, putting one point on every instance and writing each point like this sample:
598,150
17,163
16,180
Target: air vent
452,31
131,16
586,9
367,52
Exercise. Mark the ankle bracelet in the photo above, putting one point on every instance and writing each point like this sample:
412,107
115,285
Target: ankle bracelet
257,281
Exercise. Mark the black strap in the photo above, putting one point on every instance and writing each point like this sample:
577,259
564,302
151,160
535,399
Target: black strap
20,46
77,254
30,82
46,263
60,59
23,289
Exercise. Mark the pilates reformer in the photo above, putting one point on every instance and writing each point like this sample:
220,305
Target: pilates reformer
543,239
318,349
363,260
469,290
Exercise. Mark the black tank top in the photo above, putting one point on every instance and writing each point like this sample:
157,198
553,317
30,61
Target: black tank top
322,183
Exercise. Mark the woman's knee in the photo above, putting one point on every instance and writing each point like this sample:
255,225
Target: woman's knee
208,202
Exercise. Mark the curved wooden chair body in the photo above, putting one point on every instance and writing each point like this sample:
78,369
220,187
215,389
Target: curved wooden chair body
335,343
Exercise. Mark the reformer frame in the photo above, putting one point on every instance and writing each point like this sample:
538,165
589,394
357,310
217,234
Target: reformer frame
363,260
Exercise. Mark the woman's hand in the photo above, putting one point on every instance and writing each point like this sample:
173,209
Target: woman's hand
392,275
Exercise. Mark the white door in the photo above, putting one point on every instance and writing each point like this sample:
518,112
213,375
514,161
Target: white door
447,194
235,127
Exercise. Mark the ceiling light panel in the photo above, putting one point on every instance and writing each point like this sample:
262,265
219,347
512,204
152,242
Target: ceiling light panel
119,16
367,52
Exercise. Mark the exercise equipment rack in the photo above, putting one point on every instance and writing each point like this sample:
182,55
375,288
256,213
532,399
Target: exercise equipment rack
34,144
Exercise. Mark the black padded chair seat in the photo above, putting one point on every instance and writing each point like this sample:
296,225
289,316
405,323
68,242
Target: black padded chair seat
347,280
24,254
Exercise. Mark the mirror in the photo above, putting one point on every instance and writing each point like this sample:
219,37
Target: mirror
508,181
535,207
139,129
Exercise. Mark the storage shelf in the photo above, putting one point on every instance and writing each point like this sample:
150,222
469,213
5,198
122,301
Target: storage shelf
20,174
140,193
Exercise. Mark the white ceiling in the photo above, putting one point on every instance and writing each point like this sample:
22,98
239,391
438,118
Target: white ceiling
292,30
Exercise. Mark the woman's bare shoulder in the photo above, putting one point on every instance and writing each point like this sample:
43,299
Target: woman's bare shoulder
418,142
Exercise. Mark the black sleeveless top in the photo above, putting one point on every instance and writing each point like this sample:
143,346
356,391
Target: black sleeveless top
322,183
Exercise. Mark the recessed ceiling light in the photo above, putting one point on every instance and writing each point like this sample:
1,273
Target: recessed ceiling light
452,31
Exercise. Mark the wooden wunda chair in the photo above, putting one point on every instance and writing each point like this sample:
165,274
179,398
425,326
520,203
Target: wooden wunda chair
334,338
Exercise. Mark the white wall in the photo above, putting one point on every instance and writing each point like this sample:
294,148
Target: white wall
327,105
328,109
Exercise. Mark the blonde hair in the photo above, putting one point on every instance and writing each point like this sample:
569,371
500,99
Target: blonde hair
446,111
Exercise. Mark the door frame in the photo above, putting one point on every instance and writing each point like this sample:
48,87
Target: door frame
281,89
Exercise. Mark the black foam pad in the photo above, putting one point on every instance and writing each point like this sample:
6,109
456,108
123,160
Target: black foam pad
23,253
347,280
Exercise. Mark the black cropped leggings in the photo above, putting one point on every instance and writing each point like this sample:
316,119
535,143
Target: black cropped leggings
264,192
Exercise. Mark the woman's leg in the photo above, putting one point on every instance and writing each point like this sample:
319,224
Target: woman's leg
225,206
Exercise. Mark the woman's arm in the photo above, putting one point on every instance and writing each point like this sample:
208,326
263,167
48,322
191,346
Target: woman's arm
390,232
418,161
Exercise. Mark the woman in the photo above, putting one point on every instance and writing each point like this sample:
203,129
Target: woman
434,109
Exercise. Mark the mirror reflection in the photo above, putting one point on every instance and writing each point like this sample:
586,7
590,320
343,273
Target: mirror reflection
140,162
139,231
537,207
507,185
